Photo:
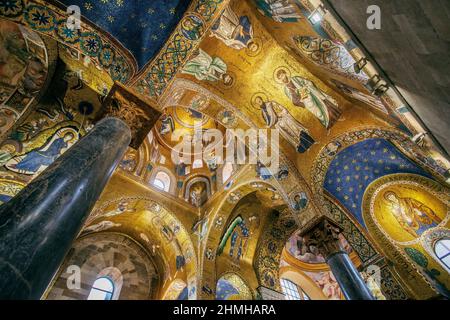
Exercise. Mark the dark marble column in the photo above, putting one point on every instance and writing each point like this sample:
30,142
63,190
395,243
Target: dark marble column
325,237
349,279
38,226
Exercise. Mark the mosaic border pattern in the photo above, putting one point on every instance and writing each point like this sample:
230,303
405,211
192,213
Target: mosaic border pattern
157,75
50,20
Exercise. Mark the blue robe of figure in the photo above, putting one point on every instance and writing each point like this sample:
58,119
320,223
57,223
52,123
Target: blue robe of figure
4,198
245,37
233,242
35,159
306,141
180,262
239,251
180,169
195,114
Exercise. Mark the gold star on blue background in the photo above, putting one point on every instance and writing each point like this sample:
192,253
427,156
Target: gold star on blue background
357,166
134,23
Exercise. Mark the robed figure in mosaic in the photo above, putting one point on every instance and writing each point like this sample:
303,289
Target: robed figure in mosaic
304,93
277,116
278,10
39,159
414,216
204,67
236,32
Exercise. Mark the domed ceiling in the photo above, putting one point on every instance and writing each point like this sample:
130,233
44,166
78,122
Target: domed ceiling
185,122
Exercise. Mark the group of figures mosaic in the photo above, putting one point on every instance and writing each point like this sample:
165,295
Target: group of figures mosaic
55,125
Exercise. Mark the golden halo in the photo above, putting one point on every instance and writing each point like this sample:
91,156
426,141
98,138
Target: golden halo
258,94
62,133
258,42
202,99
195,19
279,69
229,85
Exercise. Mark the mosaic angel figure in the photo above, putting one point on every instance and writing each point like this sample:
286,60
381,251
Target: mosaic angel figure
304,93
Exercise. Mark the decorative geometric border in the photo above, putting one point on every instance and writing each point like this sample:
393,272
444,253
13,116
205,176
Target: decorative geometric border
401,140
355,237
156,75
391,249
269,251
158,209
424,183
50,19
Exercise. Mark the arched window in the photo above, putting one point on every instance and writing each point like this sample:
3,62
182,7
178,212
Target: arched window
198,163
227,171
162,181
102,289
292,291
442,250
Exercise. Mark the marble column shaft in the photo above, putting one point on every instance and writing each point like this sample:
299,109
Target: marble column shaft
38,226
325,237
350,281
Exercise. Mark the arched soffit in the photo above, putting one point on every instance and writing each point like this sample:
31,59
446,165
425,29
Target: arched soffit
287,180
232,286
175,291
219,220
403,150
303,281
30,62
135,161
404,242
195,179
328,54
153,79
141,26
188,94
239,239
100,254
156,228
197,190
50,19
270,248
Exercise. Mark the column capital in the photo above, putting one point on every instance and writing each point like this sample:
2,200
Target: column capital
140,115
324,235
